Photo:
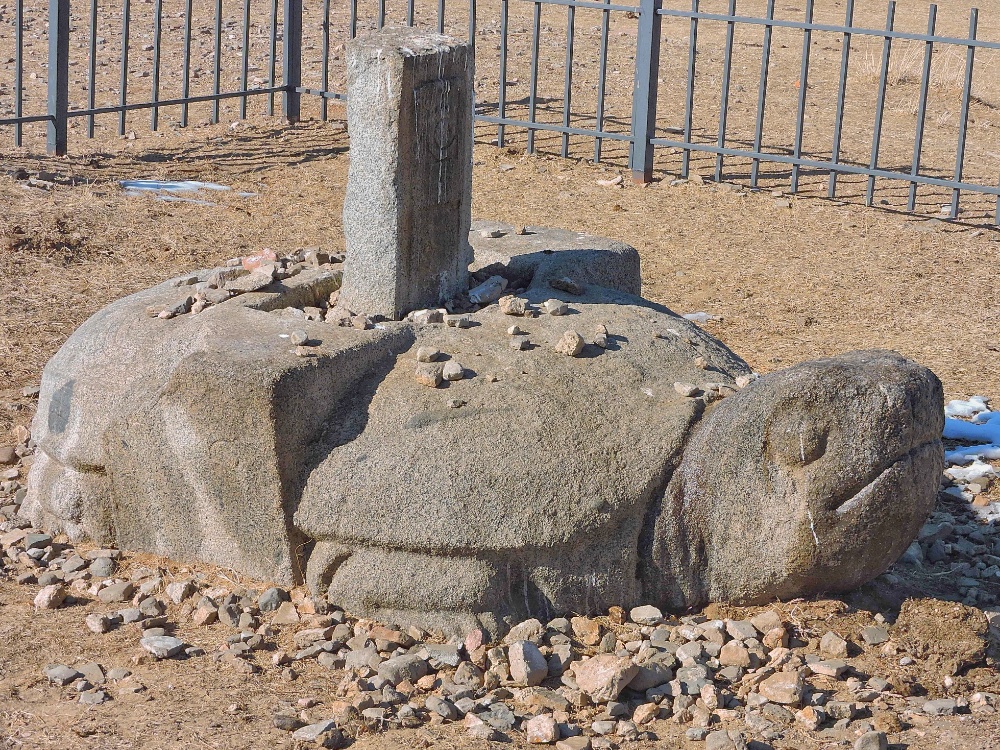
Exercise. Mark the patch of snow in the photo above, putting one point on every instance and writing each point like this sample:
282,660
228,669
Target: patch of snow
987,514
965,454
171,186
699,317
977,470
959,493
166,190
980,429
967,409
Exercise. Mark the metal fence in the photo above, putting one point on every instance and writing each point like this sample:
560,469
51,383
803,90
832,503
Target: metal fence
668,87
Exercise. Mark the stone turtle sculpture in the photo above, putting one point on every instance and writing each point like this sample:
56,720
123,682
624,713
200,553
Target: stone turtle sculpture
537,484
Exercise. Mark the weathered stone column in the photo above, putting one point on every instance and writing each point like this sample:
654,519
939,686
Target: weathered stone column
408,205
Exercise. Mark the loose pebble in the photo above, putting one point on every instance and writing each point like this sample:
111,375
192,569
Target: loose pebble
872,741
510,305
60,674
428,317
430,374
452,371
51,597
555,307
428,354
571,344
520,343
162,646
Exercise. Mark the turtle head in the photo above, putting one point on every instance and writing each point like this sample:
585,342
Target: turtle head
813,479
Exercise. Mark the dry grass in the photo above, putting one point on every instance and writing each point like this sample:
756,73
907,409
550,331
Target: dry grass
906,69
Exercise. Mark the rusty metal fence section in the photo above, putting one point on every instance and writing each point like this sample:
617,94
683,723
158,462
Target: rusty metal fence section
665,83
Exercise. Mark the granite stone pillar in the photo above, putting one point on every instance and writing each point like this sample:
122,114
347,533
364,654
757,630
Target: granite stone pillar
408,205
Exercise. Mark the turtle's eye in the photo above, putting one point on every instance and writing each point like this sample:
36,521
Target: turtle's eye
795,441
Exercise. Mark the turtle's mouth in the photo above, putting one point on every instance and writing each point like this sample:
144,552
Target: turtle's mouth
855,495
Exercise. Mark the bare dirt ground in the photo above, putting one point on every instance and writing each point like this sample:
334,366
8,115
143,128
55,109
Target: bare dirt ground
201,703
787,284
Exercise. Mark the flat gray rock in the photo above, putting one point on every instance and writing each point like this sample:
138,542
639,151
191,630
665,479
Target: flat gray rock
941,707
162,646
60,674
313,732
408,667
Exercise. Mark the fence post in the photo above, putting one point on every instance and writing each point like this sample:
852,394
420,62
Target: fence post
291,64
58,76
647,68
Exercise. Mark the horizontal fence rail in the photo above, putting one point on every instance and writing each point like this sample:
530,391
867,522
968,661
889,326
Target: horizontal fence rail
830,102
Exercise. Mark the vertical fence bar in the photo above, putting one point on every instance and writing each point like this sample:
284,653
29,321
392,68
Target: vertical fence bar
186,73
154,118
58,76
727,65
689,99
126,20
602,76
533,95
502,96
644,96
292,61
409,12
925,81
217,62
880,103
245,61
92,68
19,70
325,80
800,115
765,64
273,59
440,16
568,79
472,41
963,122
838,125
380,23
354,18
472,28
